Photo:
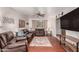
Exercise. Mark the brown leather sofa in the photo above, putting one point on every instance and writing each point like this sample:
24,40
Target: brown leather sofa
9,43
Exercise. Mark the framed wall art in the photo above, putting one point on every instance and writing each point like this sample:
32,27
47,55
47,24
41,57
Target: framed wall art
7,20
21,23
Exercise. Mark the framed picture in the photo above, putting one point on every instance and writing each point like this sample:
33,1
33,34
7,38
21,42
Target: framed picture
21,23
7,20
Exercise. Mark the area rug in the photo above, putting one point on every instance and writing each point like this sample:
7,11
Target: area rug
41,41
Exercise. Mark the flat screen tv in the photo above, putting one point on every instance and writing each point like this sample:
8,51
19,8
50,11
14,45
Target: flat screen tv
70,21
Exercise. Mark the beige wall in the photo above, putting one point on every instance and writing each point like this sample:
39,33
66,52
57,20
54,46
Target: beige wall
10,13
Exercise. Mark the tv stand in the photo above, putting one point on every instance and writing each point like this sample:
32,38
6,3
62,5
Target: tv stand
72,42
69,41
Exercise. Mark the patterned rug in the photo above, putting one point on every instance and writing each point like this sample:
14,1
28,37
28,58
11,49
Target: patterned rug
41,41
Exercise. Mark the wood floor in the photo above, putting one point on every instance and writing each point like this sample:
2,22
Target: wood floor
56,47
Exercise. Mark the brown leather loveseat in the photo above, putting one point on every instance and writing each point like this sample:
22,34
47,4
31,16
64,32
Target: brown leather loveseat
9,43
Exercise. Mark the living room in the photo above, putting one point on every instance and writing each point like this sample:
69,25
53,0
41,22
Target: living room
27,24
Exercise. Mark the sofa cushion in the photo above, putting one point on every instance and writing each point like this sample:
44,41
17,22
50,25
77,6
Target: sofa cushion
12,41
2,44
20,49
15,45
20,38
10,36
3,39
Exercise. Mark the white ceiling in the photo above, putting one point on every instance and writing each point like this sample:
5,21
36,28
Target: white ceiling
30,11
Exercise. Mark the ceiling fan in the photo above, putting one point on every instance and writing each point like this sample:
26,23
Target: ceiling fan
40,14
